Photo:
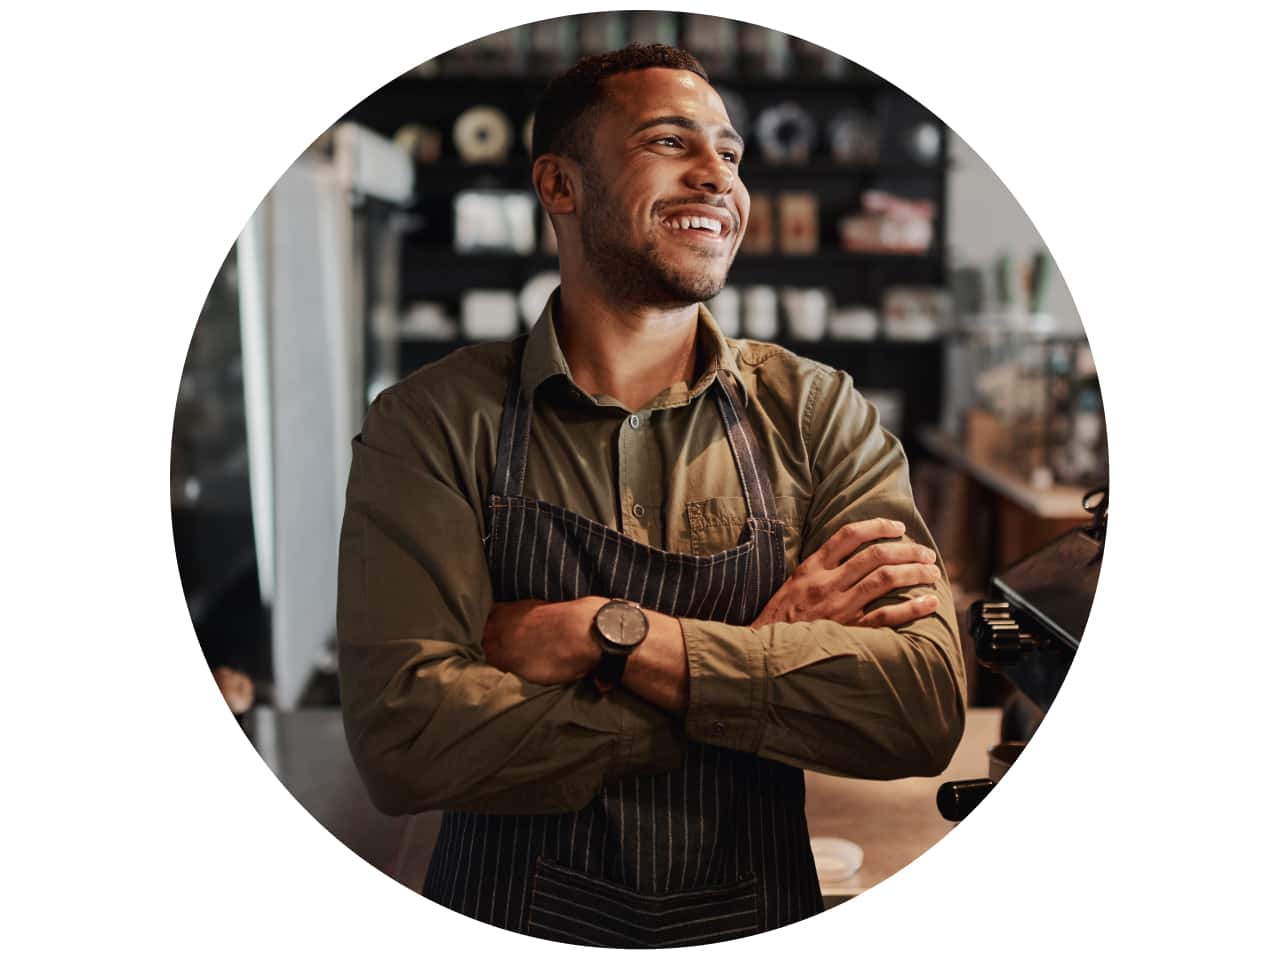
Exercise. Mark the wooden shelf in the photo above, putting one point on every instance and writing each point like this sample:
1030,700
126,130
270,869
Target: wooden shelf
521,80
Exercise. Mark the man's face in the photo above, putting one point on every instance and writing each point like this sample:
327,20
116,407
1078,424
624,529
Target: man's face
663,209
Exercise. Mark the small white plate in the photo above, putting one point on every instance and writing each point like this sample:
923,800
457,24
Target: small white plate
837,860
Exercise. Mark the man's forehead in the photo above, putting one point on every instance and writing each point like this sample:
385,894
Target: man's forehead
639,95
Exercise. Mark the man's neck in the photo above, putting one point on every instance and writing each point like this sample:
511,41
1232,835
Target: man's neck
630,353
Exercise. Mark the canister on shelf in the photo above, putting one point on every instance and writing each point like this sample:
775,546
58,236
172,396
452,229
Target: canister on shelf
535,294
726,308
489,314
855,138
482,134
763,52
807,309
713,40
760,313
422,143
553,45
600,32
654,26
786,134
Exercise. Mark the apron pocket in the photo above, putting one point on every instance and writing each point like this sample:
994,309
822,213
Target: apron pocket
572,907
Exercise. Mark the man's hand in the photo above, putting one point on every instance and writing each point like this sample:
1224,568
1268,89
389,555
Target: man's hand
845,576
544,643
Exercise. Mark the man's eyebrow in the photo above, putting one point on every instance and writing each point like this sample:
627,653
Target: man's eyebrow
688,124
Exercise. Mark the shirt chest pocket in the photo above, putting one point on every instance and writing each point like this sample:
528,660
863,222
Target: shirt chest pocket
716,524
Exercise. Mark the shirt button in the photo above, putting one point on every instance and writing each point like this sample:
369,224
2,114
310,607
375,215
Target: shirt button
634,421
638,511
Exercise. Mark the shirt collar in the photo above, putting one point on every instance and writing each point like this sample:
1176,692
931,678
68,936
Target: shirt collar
543,358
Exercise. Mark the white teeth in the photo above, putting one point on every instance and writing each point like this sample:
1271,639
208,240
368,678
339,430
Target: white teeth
696,223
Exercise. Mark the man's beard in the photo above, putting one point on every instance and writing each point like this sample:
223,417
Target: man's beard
634,275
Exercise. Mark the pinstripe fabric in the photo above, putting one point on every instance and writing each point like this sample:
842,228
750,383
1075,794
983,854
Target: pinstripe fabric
714,850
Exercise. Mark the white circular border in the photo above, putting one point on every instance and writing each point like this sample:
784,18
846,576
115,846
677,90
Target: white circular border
142,820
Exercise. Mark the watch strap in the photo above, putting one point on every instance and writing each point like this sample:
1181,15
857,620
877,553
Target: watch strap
609,670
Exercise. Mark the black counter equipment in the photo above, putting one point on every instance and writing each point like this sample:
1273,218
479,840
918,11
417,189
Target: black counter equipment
1030,630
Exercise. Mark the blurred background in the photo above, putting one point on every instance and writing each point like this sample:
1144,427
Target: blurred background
879,243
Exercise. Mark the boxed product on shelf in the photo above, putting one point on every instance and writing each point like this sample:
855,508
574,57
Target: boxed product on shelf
889,224
798,222
427,320
854,323
494,221
916,313
758,238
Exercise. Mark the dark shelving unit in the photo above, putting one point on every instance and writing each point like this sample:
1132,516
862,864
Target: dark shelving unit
432,270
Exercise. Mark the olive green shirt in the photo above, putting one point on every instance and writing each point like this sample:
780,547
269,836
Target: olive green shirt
432,726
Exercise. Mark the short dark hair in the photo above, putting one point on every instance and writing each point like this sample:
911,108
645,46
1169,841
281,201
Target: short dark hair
562,120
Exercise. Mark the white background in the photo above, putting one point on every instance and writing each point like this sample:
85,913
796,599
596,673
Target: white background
139,138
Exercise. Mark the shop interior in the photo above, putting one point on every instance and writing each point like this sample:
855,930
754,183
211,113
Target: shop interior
879,243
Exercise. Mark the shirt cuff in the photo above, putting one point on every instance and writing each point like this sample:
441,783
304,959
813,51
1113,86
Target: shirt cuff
726,684
649,741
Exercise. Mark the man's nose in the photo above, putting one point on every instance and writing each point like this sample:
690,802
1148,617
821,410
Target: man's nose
711,172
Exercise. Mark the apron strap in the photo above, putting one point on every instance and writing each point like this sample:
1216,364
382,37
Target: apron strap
746,452
513,435
513,443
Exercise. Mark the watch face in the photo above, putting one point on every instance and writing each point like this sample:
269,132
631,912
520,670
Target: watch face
622,624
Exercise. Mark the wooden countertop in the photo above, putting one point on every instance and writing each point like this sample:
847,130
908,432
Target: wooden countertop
1056,502
894,821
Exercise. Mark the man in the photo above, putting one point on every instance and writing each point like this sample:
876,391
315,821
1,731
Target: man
606,590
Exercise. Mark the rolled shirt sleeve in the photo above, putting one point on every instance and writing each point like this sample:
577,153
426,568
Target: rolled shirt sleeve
876,703
429,724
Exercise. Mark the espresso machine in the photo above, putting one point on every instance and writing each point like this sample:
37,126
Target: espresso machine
1028,630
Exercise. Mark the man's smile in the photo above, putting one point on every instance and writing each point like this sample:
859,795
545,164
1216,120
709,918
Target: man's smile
699,222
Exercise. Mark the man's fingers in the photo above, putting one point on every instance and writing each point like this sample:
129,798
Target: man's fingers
842,544
881,555
898,614
886,580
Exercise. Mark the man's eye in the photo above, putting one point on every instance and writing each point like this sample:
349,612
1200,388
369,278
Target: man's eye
730,156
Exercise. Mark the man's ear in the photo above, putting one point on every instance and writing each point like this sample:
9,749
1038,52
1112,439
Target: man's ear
555,181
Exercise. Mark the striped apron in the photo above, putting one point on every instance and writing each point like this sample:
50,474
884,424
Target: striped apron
714,850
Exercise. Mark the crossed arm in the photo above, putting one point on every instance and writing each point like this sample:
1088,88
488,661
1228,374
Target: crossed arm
552,643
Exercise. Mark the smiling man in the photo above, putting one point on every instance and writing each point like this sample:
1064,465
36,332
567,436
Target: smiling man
607,590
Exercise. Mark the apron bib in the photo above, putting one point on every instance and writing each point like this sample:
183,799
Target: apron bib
716,849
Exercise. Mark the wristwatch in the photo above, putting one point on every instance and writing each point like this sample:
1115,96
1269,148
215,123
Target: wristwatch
620,627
